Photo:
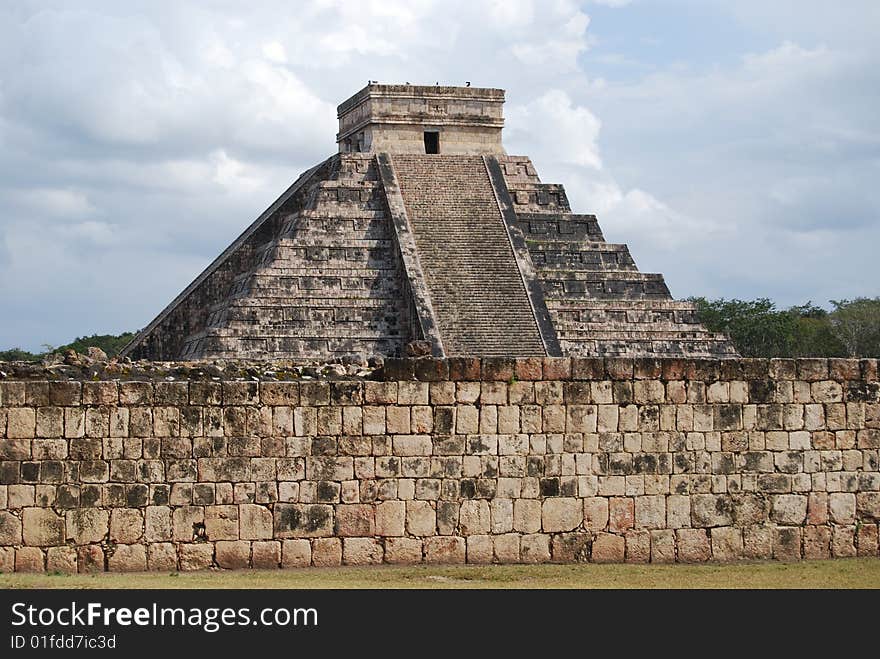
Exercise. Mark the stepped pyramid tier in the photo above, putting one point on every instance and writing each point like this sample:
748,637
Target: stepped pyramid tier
422,229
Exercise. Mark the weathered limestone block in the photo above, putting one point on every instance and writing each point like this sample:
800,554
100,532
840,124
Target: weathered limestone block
196,556
650,512
621,514
255,522
535,548
61,559
390,518
571,547
296,553
662,546
40,527
161,556
608,548
789,509
188,523
595,513
362,551
10,529
638,546
693,545
20,422
403,551
480,549
843,542
561,514
157,524
527,515
868,540
817,542
233,554
30,559
355,520
445,550
708,510
126,525
727,543
474,517
127,558
842,506
786,543
303,521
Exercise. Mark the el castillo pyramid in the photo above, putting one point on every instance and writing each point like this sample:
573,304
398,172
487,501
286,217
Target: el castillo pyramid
421,228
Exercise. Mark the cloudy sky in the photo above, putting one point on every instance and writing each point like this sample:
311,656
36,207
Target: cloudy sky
735,145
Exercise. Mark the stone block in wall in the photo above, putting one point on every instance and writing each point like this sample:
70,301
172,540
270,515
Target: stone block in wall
61,559
445,549
266,554
41,527
788,509
817,542
11,529
868,505
727,543
303,520
787,543
403,551
561,514
464,368
161,556
362,551
136,393
693,545
196,556
255,522
867,540
638,546
296,553
498,369
571,547
608,548
326,552
528,368
479,549
127,558
30,559
621,514
650,512
535,548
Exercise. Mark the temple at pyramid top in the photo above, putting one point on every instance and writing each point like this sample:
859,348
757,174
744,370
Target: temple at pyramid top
422,235
421,119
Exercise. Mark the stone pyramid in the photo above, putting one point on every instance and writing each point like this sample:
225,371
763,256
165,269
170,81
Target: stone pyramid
422,229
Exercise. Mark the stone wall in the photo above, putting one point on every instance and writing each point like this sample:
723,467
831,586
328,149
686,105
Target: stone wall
444,461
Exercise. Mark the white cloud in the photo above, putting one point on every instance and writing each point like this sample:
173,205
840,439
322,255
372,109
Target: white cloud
275,52
54,202
553,125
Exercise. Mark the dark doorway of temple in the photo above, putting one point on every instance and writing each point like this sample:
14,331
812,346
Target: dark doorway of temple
432,141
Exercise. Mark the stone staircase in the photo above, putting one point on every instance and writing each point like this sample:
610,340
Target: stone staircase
473,278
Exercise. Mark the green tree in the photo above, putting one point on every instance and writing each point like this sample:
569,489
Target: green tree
757,328
813,334
109,343
856,324
18,355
